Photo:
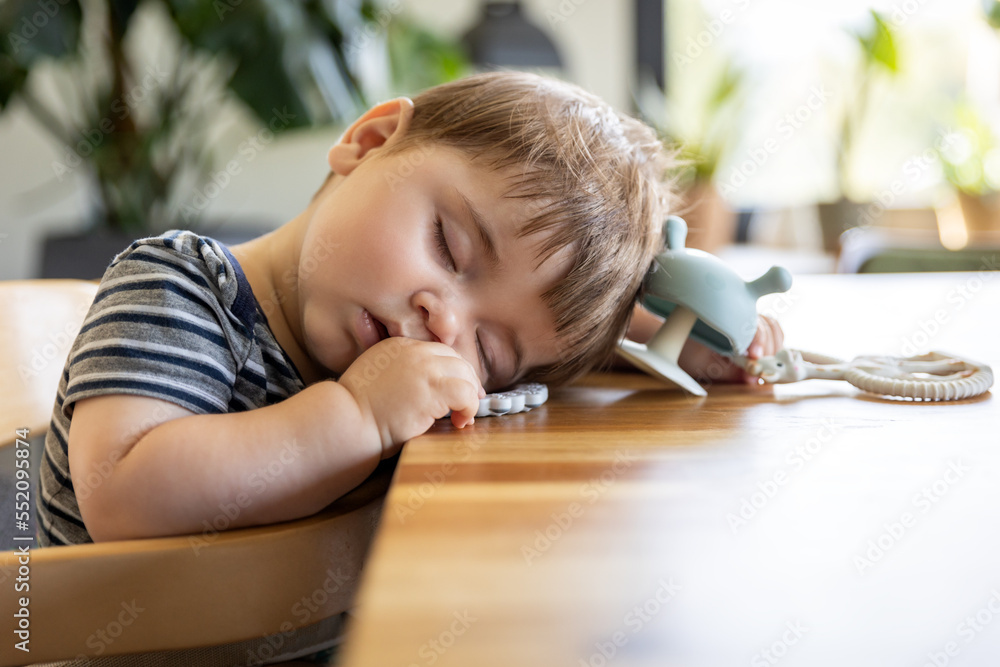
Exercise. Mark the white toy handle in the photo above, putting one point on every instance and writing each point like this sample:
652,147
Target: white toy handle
930,377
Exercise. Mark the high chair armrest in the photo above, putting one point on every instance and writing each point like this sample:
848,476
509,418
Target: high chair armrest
171,593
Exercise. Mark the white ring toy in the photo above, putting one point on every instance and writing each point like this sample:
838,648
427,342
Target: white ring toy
934,376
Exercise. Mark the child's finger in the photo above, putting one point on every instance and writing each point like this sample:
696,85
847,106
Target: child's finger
767,340
459,387
461,420
777,335
465,404
459,366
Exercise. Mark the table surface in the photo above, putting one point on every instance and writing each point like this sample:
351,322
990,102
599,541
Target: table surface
625,523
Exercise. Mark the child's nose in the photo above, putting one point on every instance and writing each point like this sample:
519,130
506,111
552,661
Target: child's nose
439,316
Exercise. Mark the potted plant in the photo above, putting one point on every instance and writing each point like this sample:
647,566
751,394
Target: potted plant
702,136
139,133
878,57
971,164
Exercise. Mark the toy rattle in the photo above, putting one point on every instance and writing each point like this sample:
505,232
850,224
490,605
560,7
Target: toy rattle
702,297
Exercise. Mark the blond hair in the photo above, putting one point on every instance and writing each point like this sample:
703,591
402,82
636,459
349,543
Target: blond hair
599,177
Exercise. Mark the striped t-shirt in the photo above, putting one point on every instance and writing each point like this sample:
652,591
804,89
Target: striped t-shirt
174,318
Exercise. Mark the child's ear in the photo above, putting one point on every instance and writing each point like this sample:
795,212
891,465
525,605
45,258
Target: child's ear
381,125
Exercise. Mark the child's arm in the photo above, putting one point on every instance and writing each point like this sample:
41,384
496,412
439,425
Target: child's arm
702,363
162,470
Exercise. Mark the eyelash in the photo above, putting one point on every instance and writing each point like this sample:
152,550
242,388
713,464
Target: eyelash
442,244
449,260
482,356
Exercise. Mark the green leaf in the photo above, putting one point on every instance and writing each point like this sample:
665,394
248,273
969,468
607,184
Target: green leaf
419,58
879,45
991,8
285,58
31,32
726,88
263,83
28,33
287,54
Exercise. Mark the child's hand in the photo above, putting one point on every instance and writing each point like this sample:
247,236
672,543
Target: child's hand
705,364
402,385
766,342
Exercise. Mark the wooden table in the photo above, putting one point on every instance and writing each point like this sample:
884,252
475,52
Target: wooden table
628,524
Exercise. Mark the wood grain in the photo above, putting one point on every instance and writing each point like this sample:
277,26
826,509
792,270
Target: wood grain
624,523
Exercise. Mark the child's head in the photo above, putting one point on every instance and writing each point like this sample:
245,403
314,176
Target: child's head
578,188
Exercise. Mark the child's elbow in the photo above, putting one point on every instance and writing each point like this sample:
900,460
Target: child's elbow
103,519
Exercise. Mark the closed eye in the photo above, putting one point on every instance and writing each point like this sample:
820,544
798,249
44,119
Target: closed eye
442,244
483,360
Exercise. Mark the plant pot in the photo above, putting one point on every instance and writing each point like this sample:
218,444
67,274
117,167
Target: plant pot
981,213
711,223
86,255
82,256
837,217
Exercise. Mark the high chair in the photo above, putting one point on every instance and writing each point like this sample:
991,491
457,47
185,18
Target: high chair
251,596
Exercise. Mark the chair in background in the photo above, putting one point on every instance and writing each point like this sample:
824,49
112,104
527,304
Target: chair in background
875,250
249,596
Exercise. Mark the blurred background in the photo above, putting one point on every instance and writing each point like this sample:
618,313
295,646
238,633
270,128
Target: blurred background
850,136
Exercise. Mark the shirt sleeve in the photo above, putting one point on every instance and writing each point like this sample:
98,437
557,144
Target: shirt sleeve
158,327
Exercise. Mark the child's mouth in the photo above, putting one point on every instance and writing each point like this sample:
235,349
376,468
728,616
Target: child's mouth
383,332
370,330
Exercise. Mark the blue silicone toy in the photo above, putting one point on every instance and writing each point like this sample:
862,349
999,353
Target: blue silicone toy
702,297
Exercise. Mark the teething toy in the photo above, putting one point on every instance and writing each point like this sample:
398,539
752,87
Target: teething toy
703,298
521,398
930,377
